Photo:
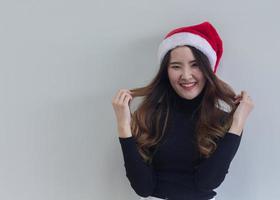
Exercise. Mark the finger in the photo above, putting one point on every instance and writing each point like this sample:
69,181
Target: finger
130,92
249,98
127,99
116,96
236,101
121,97
121,92
237,98
126,95
246,96
127,91
244,93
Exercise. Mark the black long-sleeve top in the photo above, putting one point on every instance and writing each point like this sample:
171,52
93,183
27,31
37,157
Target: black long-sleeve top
177,172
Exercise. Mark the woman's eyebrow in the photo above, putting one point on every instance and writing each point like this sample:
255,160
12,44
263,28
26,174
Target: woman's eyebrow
177,62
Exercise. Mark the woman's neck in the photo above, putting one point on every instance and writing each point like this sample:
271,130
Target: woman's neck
188,106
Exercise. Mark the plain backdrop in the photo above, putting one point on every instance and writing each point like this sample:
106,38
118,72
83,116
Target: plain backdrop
62,61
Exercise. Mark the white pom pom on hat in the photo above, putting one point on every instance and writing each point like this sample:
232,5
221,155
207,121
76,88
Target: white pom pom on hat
202,36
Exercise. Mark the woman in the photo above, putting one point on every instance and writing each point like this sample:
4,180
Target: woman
179,143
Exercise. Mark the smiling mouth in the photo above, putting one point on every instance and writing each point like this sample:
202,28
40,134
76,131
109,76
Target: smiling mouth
188,86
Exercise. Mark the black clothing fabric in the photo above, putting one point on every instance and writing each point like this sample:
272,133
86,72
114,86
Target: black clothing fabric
177,172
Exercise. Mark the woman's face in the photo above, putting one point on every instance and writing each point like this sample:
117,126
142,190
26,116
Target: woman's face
184,75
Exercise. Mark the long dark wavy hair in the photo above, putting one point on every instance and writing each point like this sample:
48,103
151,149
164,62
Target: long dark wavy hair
149,121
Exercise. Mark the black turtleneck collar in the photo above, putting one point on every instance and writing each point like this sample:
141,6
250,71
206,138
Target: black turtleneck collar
187,106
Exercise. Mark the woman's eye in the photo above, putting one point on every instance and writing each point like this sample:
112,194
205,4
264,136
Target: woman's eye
176,67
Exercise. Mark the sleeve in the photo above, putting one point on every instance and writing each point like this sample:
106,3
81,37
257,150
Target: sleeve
141,176
211,172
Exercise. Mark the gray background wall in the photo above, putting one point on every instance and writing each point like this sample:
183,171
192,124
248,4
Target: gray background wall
62,61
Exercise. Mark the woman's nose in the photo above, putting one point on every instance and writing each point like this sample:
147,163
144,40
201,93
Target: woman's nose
186,74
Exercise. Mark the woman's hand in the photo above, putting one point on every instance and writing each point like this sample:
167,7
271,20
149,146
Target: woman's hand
120,104
243,110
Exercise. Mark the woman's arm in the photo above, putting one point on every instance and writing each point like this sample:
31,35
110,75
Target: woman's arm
211,172
235,129
141,176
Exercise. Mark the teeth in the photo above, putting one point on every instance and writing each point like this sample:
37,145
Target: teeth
190,84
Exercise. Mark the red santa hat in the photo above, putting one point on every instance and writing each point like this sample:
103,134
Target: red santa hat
202,36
